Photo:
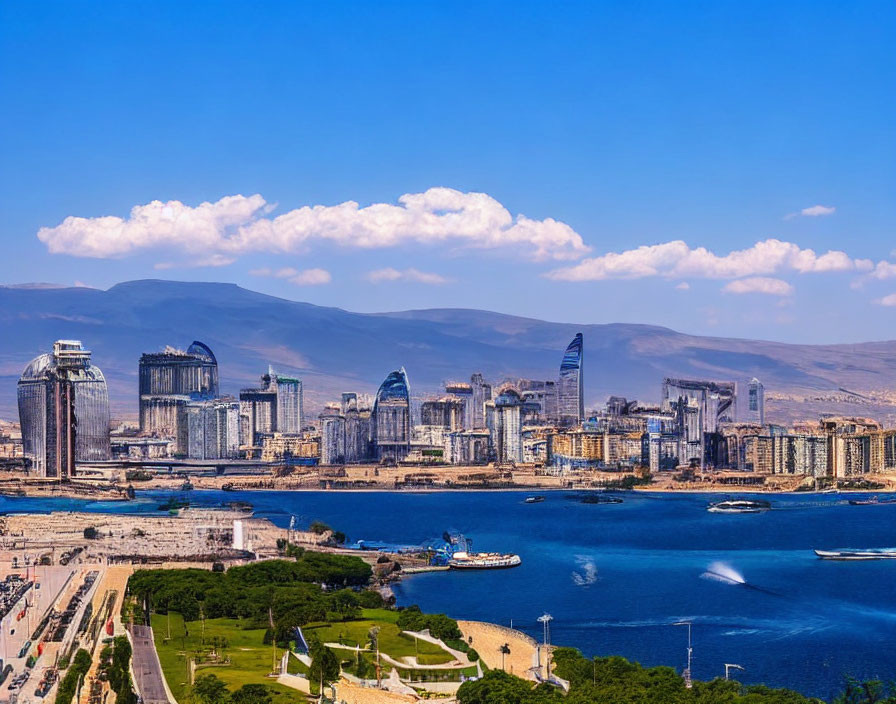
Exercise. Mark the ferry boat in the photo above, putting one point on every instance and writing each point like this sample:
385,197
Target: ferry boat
739,506
873,501
534,499
483,560
872,554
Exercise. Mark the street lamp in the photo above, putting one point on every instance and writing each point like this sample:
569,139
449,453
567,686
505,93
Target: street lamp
687,673
732,666
545,620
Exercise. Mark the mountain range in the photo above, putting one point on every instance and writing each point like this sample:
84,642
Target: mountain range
336,350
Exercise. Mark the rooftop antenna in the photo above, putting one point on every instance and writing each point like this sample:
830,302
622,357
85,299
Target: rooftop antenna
732,666
687,673
545,620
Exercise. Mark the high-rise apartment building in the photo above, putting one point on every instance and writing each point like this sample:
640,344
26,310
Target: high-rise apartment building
332,436
482,392
63,410
392,418
570,391
506,426
290,411
700,408
756,402
449,413
208,430
277,406
170,379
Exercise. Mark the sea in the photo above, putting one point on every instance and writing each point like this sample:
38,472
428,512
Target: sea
619,579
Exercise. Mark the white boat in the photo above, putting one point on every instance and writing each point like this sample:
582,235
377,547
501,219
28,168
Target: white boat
739,506
872,554
483,560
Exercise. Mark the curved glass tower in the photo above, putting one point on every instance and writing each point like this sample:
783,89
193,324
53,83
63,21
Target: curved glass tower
63,410
569,389
392,418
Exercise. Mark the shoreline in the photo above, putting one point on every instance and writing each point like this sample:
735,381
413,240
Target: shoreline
117,493
115,486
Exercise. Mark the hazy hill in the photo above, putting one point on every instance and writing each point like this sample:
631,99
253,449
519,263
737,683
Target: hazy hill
336,350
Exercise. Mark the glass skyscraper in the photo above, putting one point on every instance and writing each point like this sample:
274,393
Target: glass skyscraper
756,402
392,418
63,410
571,402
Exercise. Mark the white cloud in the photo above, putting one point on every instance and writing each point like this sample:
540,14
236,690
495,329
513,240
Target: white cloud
683,286
412,275
883,270
887,300
817,210
311,277
759,284
812,212
676,259
237,225
307,277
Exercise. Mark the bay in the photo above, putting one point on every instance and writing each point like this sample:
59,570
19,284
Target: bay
615,577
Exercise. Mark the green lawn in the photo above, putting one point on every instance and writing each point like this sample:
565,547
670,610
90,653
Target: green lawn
250,660
354,633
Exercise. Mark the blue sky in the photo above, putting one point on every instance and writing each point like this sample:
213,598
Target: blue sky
668,133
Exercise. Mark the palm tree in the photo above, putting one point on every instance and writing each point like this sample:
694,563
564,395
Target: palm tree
505,650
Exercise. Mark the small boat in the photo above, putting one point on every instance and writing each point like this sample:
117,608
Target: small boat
873,501
483,560
872,554
598,499
739,506
534,499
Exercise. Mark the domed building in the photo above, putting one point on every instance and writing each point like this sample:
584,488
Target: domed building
63,410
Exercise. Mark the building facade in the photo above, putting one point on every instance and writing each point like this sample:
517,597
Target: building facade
170,379
63,410
756,402
392,425
570,388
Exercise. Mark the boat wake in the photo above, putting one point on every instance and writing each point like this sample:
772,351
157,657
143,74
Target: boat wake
726,574
588,574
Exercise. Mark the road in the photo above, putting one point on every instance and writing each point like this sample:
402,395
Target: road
150,681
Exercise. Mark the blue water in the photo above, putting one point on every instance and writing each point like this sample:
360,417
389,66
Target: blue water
615,577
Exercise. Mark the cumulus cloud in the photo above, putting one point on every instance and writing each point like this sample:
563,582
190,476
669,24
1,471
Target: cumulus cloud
817,210
883,270
887,300
236,225
412,275
312,277
307,277
683,286
812,212
759,284
676,260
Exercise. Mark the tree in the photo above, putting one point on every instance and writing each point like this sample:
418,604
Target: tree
251,694
505,650
324,665
90,533
497,687
346,604
319,527
208,689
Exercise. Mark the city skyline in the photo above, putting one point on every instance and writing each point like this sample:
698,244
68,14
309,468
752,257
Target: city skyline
739,187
